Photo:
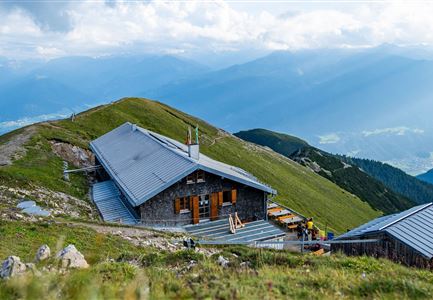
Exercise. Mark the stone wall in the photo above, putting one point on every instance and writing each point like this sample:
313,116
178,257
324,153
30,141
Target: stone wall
160,210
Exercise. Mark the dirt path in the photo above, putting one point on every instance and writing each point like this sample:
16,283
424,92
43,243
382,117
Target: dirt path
145,237
14,148
137,236
215,140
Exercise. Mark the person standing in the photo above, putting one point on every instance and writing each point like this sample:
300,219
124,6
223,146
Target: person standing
310,227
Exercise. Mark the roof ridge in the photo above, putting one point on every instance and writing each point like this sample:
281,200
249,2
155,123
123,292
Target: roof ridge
421,207
149,134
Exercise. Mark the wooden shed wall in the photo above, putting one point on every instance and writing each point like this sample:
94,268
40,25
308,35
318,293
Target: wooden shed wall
386,247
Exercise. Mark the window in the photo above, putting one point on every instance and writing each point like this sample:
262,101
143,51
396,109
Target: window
227,197
181,205
184,203
200,176
190,179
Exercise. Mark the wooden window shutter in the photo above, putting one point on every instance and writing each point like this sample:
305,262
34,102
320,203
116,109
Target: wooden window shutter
195,215
234,196
177,206
214,206
220,199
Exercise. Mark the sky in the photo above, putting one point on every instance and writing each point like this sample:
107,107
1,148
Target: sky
49,29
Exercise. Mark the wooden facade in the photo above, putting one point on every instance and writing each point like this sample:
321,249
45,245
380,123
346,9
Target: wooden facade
386,247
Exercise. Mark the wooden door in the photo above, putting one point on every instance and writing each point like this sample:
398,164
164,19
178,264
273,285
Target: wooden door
234,196
214,206
195,210
220,199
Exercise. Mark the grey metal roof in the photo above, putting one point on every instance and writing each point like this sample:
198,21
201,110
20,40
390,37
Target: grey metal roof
414,227
143,163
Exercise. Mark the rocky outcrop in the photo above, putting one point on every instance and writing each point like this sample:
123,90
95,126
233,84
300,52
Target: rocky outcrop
43,253
70,257
12,266
75,155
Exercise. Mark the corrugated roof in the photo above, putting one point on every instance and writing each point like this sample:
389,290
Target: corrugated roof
144,163
416,231
414,227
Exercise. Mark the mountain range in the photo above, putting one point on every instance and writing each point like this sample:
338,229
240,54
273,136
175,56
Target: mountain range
370,103
72,84
360,103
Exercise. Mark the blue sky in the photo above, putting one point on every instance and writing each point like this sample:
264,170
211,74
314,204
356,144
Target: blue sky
48,29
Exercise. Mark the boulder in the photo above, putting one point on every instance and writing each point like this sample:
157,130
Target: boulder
43,253
32,267
70,257
11,267
223,261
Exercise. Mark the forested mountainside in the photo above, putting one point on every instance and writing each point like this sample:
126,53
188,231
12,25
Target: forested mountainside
409,186
348,177
298,187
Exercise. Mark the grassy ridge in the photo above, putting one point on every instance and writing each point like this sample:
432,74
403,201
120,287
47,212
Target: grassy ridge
119,270
297,186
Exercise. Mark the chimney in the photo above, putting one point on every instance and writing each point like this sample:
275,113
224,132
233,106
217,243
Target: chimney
194,151
134,127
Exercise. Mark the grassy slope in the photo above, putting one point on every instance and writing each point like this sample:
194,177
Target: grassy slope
297,186
163,275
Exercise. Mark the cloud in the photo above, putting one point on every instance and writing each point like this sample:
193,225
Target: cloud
331,138
10,125
48,15
401,130
111,27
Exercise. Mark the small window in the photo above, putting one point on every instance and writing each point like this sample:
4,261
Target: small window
190,179
184,203
227,196
200,176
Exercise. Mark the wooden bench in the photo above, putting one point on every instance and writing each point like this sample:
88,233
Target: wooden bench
280,213
285,217
292,227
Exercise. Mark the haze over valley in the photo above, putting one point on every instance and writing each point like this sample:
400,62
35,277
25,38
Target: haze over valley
373,103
